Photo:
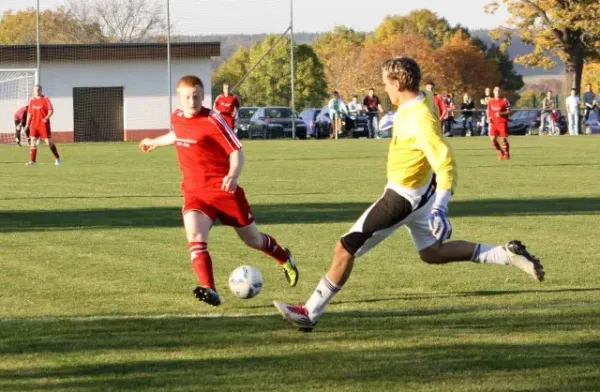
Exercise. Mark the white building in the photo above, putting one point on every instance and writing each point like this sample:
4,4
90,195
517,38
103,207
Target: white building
103,92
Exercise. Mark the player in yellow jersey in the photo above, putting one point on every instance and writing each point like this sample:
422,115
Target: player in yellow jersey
421,177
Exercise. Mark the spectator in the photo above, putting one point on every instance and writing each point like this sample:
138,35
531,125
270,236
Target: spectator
590,103
546,116
467,108
449,120
572,103
484,103
337,108
372,106
354,109
439,102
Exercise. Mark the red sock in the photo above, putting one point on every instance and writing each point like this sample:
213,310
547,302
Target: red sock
273,249
202,264
54,151
497,145
506,146
32,154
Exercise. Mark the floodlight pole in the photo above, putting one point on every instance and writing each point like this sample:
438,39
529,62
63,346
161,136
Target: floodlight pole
293,98
37,45
169,61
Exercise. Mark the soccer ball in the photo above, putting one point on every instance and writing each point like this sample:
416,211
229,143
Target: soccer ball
245,282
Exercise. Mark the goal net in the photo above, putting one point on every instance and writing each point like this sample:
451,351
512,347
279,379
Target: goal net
16,87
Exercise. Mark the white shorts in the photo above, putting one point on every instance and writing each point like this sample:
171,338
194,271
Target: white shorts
394,209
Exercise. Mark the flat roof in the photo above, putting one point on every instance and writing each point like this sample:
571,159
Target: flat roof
117,51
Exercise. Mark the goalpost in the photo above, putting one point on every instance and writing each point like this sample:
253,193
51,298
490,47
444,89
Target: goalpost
16,86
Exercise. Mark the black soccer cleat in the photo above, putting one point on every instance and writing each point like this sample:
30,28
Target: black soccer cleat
208,295
522,259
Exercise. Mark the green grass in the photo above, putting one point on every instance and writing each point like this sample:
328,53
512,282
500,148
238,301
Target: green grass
95,281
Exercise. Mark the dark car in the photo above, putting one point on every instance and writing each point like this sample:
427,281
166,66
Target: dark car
562,123
324,125
275,122
242,120
309,116
519,122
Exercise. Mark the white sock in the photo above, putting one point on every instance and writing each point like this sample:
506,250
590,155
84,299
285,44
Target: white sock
320,298
490,254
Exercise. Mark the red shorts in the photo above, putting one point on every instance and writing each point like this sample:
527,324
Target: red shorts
229,120
499,129
41,131
232,209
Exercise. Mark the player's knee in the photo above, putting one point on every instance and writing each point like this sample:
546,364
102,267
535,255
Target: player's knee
254,241
352,242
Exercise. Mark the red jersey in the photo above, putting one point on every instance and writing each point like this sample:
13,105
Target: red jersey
20,114
226,105
38,110
203,145
439,102
496,106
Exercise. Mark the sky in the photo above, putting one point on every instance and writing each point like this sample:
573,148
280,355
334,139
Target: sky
197,17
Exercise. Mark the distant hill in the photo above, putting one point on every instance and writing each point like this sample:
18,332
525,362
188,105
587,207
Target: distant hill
229,43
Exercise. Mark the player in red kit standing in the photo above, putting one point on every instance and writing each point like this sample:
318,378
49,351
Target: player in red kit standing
38,124
498,112
227,106
211,161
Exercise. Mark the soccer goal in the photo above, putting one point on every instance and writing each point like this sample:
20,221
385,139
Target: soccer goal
16,87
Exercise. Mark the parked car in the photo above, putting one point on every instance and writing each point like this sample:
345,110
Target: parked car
275,122
309,116
242,120
323,125
520,121
593,123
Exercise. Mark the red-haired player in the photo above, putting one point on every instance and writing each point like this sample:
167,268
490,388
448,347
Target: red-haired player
38,123
498,112
211,161
227,106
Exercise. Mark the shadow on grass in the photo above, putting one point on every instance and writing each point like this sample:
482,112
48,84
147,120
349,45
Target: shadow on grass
349,351
292,213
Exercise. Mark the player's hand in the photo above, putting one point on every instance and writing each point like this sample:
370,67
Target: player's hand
440,226
146,145
45,120
229,184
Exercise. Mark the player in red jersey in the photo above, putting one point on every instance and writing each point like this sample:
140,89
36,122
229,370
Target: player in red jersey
20,118
439,103
227,106
498,112
38,124
211,161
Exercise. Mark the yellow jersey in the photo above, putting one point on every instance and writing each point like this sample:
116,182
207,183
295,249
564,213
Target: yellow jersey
417,149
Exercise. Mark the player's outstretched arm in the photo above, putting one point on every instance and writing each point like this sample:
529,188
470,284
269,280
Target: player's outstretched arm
236,164
148,145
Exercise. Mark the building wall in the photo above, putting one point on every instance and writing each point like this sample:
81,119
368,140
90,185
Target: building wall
145,91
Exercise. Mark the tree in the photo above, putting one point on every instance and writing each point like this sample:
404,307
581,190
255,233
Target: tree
124,20
269,83
567,28
338,50
464,67
510,81
56,27
231,71
591,74
375,53
421,22
529,99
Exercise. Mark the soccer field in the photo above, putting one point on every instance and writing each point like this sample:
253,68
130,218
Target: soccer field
95,278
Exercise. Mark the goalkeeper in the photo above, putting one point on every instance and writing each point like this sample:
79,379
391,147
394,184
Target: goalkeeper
20,118
421,176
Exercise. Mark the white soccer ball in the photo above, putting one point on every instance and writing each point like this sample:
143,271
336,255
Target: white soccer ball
245,282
